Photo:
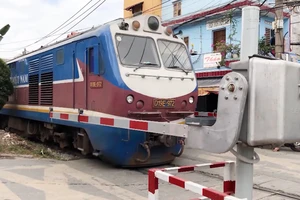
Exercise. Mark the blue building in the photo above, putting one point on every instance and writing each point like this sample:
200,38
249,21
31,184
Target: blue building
207,25
206,22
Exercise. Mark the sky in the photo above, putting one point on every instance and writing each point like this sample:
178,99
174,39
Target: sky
30,20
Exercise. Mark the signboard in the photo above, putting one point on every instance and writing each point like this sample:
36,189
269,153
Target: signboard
217,23
211,60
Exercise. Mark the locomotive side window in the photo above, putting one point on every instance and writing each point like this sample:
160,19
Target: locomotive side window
22,67
137,51
91,62
60,57
101,60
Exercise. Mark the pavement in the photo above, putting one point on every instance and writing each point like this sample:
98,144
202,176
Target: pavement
85,179
277,172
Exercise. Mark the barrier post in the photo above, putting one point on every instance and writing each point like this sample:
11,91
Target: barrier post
229,178
249,46
152,185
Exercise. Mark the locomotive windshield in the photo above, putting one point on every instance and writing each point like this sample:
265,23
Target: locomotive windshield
174,55
137,51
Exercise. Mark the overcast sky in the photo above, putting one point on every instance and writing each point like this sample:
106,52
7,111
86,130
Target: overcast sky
31,20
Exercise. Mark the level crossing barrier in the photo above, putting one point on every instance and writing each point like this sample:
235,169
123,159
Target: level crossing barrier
154,175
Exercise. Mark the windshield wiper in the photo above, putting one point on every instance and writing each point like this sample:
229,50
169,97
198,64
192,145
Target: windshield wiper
142,64
177,67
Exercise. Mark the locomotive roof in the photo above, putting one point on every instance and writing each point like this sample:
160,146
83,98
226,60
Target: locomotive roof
81,35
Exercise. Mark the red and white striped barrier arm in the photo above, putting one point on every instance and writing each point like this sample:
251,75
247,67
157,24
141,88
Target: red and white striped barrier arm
228,185
205,114
166,128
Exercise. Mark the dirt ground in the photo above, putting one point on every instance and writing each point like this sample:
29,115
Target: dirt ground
12,144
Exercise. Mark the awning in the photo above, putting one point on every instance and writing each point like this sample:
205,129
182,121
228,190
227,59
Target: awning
207,91
130,7
208,86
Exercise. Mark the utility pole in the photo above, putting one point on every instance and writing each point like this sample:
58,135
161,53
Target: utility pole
278,28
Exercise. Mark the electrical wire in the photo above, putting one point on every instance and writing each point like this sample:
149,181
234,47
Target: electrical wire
66,25
78,22
21,41
80,15
198,18
262,3
57,29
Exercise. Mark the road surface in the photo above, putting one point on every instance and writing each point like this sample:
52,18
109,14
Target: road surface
85,179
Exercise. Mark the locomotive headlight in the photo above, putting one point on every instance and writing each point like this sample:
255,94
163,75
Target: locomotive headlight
129,99
191,99
136,25
168,30
153,23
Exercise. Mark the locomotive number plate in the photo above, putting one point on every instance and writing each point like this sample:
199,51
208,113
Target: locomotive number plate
96,84
163,103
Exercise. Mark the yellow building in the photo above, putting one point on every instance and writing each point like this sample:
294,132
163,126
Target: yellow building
132,7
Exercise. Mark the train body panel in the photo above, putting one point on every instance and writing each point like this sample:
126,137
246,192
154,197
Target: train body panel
96,73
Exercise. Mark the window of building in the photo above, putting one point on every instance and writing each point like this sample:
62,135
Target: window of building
186,41
219,36
136,9
177,8
268,36
269,33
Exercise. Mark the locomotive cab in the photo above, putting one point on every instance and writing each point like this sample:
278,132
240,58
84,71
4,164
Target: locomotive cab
156,70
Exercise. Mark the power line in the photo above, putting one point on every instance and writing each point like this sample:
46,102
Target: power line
80,15
262,3
37,38
55,30
79,21
67,24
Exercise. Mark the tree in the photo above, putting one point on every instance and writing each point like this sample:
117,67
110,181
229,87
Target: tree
6,86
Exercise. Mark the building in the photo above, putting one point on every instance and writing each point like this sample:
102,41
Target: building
134,7
295,31
204,29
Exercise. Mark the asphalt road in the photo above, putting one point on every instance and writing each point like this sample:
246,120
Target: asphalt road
85,179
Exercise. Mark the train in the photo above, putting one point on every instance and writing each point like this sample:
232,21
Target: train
125,69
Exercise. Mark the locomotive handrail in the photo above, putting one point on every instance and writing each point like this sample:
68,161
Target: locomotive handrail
158,76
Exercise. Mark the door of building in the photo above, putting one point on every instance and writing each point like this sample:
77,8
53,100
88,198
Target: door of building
219,35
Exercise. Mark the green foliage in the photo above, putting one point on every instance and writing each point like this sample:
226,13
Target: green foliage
233,47
233,24
263,48
6,86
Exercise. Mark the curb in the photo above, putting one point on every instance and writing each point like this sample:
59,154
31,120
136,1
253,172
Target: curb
4,155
